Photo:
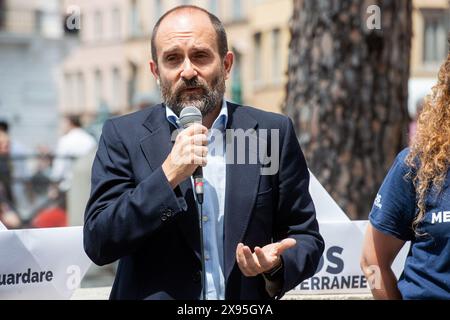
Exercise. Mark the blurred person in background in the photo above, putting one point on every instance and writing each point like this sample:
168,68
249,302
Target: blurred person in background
74,143
47,208
5,162
41,178
7,214
8,217
19,156
413,204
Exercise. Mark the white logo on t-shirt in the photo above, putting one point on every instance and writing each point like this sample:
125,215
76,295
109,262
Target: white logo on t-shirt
440,217
377,202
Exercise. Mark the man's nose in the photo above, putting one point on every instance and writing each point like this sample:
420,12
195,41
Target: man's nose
188,70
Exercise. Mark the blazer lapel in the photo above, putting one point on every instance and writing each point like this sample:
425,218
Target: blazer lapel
241,188
156,147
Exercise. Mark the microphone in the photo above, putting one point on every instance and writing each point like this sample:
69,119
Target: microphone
188,117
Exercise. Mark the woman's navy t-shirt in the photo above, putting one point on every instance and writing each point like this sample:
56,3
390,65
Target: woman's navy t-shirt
427,268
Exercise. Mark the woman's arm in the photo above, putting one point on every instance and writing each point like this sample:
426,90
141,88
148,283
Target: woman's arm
379,252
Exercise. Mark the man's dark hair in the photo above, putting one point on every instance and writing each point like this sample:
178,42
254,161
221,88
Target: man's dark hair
4,126
221,34
74,120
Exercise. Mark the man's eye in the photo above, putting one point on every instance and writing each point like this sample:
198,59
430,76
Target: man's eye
201,56
171,58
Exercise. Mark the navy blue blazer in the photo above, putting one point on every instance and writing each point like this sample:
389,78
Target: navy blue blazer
134,215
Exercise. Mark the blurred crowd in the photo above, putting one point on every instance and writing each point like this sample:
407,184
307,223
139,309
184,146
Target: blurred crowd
34,185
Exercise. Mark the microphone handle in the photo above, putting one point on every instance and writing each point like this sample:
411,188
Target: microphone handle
198,183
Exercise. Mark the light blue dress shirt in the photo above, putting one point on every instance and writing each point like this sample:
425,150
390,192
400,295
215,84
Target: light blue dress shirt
214,175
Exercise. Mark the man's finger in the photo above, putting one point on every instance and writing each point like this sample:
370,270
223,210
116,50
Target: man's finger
201,161
262,259
200,151
285,244
195,129
240,256
199,140
252,267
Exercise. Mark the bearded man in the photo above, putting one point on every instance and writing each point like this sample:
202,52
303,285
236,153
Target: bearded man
259,231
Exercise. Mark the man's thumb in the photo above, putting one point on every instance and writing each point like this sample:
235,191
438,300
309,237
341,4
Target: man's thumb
286,244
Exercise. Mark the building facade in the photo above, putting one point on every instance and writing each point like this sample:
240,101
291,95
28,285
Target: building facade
110,68
109,71
32,45
431,25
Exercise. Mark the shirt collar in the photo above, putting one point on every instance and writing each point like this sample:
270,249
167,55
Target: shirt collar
220,123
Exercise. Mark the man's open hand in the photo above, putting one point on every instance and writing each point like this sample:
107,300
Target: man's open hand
262,259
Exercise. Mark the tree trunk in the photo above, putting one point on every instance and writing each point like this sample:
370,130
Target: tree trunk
347,93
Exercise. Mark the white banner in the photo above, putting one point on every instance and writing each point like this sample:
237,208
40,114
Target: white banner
41,263
339,269
326,208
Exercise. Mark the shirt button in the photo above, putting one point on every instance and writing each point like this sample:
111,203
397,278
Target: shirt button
206,257
205,219
169,212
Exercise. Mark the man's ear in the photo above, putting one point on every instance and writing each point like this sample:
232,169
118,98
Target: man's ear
154,70
228,64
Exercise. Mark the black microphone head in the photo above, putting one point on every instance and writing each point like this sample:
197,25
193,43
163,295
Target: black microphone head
189,116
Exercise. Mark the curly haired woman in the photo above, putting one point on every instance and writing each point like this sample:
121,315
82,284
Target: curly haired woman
413,204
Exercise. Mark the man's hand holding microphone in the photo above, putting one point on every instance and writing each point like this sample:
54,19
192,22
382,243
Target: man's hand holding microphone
188,153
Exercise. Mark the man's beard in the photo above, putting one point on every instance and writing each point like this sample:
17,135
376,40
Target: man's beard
206,99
